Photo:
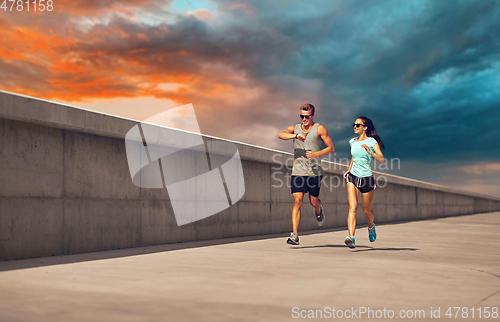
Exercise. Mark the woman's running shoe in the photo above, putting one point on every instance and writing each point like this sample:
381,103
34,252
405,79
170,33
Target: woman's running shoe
372,234
349,241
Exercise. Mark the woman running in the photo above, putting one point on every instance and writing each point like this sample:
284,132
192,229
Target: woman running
359,175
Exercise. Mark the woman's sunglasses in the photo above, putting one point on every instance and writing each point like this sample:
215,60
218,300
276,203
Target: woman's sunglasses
357,125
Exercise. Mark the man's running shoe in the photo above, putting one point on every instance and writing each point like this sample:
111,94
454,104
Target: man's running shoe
293,239
349,241
320,217
372,234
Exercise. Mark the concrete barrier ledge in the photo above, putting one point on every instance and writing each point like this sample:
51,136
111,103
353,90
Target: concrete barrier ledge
24,108
65,188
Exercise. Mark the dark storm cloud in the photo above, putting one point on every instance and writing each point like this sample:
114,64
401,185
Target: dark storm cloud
426,72
437,92
184,45
385,60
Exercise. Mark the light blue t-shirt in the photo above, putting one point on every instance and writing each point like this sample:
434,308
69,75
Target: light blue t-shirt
361,164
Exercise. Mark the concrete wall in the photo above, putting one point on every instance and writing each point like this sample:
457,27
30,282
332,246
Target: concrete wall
65,188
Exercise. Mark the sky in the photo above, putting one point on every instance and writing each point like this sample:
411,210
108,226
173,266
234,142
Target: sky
426,72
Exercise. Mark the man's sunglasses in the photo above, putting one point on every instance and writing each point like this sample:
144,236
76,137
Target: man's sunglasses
305,116
358,125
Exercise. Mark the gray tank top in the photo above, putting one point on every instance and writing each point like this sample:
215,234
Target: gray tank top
302,166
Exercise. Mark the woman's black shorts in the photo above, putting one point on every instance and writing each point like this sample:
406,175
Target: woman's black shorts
306,184
364,184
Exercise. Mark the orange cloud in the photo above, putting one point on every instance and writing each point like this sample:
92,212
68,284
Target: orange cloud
98,8
247,7
204,14
122,59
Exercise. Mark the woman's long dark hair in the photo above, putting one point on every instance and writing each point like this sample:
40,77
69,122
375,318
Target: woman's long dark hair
370,131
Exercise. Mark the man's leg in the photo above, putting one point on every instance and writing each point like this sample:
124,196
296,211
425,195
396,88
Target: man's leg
314,185
298,198
316,203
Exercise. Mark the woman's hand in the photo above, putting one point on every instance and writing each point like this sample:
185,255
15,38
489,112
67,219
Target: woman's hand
345,174
367,149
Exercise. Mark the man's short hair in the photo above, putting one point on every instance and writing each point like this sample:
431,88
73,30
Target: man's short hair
307,107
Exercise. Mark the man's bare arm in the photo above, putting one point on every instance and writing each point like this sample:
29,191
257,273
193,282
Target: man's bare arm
323,135
287,134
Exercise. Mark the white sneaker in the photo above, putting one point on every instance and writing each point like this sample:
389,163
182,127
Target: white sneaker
293,239
321,217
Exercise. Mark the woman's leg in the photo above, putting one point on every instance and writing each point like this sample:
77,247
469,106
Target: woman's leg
367,207
352,196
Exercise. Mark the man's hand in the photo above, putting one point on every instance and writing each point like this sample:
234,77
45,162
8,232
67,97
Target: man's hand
311,154
301,137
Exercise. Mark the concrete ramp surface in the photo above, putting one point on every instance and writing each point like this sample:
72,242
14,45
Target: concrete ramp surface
418,269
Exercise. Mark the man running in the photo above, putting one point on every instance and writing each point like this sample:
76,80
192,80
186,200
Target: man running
306,172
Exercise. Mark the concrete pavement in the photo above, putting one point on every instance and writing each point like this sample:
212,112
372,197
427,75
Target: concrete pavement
441,263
